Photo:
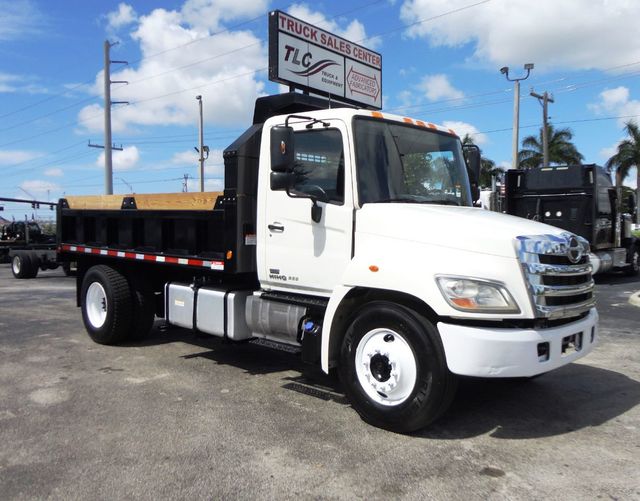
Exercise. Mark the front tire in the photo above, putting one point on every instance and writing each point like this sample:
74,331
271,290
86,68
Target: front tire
634,261
393,368
106,304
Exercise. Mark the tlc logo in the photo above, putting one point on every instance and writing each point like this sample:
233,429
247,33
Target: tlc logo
293,54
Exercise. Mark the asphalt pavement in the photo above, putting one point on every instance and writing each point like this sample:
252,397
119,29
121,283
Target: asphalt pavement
180,415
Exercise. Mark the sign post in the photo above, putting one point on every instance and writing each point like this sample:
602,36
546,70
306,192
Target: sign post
314,60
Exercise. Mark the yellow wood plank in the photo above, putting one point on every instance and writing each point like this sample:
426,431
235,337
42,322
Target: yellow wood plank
148,201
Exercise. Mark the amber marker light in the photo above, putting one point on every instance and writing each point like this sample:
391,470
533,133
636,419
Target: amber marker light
229,255
374,268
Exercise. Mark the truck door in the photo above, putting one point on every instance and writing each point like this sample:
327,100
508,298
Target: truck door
300,254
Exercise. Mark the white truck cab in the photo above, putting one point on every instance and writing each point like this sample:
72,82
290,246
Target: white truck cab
506,297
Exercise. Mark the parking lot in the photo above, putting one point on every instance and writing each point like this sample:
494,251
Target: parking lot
181,415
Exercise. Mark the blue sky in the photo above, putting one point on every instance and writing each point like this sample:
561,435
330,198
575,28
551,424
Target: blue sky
441,61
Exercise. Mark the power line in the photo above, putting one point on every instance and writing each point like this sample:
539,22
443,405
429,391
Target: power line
558,122
54,96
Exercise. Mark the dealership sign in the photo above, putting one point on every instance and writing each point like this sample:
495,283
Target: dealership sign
308,58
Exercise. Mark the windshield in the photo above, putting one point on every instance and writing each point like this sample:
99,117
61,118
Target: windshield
404,163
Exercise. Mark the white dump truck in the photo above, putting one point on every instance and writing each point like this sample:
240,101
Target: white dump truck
350,235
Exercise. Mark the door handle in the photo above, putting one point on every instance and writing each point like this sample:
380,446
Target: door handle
276,227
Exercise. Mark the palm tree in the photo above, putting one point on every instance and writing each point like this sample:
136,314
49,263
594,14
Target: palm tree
561,150
627,157
488,167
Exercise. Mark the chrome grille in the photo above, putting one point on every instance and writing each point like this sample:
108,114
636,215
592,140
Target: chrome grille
558,274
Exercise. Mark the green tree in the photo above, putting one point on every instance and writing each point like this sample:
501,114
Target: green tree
488,167
627,157
418,170
562,151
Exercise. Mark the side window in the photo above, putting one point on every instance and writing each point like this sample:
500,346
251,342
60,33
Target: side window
604,202
319,164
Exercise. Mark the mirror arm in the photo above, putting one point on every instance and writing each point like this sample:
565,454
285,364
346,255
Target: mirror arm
316,211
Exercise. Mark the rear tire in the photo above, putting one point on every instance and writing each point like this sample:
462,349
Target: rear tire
22,267
106,305
66,267
393,368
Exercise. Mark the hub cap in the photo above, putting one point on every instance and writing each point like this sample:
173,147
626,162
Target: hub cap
96,305
386,366
17,264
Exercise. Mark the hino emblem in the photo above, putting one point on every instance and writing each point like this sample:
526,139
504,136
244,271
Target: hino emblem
574,252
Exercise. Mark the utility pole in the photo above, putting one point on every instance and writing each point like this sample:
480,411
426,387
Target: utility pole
108,146
544,99
516,109
185,183
200,150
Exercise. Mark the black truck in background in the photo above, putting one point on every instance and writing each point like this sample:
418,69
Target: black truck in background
28,248
582,200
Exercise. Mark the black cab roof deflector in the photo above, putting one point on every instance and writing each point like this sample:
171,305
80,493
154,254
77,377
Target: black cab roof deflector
291,102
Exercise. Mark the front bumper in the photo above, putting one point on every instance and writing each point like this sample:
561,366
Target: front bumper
474,351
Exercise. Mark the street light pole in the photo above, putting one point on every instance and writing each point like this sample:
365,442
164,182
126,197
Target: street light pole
516,109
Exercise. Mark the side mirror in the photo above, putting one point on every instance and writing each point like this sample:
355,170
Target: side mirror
281,181
282,149
472,154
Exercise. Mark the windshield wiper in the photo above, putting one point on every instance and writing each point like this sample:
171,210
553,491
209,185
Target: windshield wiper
443,201
407,200
400,200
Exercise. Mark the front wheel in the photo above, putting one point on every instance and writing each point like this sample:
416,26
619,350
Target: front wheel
393,368
107,306
634,261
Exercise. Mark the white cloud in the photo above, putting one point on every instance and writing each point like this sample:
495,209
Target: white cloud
354,31
617,102
438,87
213,165
567,34
19,19
19,83
10,157
124,16
55,172
210,14
223,68
122,160
463,128
209,184
188,157
38,187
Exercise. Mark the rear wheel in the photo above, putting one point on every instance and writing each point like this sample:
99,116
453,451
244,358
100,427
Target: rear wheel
393,368
22,267
106,305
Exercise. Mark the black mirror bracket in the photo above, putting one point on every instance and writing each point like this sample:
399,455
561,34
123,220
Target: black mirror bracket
316,211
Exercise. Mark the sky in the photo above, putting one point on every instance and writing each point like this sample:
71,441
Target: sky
441,63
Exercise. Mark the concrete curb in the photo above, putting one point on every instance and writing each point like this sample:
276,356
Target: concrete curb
634,299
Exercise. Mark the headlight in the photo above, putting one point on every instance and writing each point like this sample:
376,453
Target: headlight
472,294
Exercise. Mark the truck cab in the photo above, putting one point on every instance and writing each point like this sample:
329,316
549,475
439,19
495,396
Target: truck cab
582,200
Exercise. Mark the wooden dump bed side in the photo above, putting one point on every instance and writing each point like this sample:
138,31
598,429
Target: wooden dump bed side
193,230
150,201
